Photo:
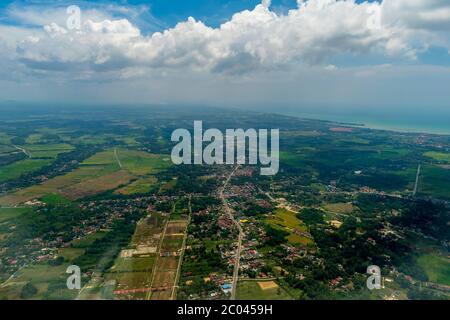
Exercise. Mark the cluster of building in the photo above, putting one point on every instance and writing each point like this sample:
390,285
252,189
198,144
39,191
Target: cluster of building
39,250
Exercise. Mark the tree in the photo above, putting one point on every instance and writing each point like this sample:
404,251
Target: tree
28,291
57,261
276,236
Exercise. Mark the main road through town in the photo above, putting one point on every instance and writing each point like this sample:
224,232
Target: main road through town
229,212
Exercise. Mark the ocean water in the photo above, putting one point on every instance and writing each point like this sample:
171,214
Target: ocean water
435,123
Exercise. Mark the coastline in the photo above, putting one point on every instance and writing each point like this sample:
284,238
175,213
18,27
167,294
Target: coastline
364,123
404,130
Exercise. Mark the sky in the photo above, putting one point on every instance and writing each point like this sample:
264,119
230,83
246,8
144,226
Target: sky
328,54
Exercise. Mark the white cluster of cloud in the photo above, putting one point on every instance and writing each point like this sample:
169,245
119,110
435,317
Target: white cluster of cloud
334,53
418,14
313,33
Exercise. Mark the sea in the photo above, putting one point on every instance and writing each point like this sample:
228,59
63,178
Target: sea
433,123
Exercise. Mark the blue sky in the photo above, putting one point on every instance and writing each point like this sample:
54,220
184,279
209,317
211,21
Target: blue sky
212,12
332,53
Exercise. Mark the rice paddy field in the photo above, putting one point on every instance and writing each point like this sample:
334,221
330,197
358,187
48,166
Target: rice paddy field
104,171
345,208
142,163
283,219
11,213
19,168
47,150
435,181
46,278
140,186
258,290
438,156
436,267
167,264
5,138
140,266
36,157
50,280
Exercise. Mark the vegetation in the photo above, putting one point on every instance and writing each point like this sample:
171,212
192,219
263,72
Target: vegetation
103,194
251,290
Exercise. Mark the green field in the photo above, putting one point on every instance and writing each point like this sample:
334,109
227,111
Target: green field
129,280
101,172
168,185
286,220
387,152
292,159
140,186
435,181
439,156
251,290
436,267
135,272
103,158
353,140
43,277
345,208
130,141
47,150
142,163
172,243
6,149
88,240
71,253
16,169
48,279
34,138
11,213
97,166
5,138
135,264
54,199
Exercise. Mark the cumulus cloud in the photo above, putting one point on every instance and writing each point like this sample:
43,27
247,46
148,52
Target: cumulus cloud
258,39
418,14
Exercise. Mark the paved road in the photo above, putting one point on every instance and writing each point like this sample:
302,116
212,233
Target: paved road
267,194
158,251
23,150
117,158
12,276
237,262
183,249
229,212
416,184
